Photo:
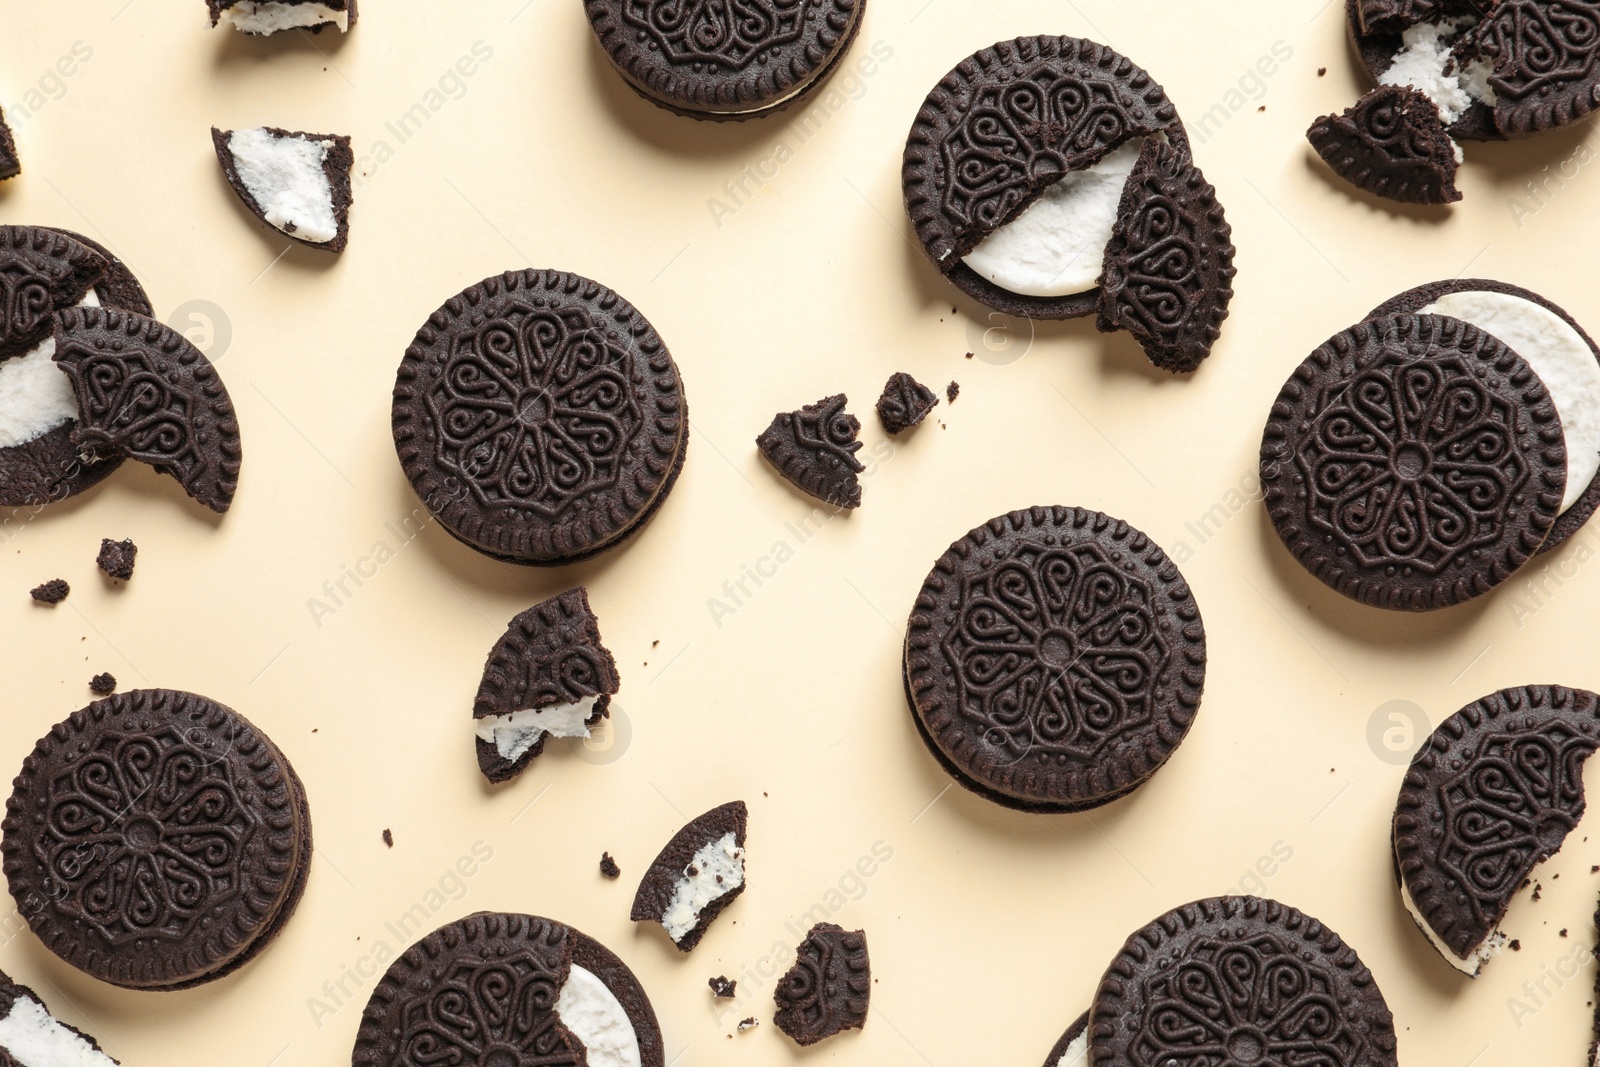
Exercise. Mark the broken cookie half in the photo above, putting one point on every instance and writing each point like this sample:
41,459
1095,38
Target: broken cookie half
547,676
297,183
829,988
1043,170
263,17
696,876
1392,144
1490,796
31,1037
815,449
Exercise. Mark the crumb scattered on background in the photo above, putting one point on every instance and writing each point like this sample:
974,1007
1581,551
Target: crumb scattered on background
1322,72
388,838
1515,945
722,986
52,592
103,684
952,391
748,1024
608,866
116,558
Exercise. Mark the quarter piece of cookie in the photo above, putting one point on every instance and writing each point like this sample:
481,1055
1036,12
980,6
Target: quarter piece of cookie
1239,980
1413,462
260,18
696,876
496,988
905,403
547,676
297,183
1393,144
52,592
145,392
32,1037
1073,1048
1492,794
156,840
1167,274
725,59
828,989
116,558
1054,659
10,164
815,448
540,418
1565,358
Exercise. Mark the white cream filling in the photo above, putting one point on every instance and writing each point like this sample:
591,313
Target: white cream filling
34,1039
1482,953
718,869
1561,359
35,396
514,733
1077,1053
1057,247
263,18
598,1019
1424,64
285,177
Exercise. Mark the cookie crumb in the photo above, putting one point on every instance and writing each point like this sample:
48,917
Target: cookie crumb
1563,931
103,684
1538,891
748,1024
722,987
970,355
1322,72
952,391
388,838
116,558
1515,945
52,592
1260,109
608,866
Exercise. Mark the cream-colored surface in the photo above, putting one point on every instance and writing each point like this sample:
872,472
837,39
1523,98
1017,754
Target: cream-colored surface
988,928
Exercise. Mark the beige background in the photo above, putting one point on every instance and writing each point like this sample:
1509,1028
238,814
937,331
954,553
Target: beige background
988,929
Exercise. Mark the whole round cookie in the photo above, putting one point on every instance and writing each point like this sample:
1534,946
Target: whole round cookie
156,840
496,988
1564,357
724,59
1001,131
1413,462
1054,659
1239,980
1491,794
539,417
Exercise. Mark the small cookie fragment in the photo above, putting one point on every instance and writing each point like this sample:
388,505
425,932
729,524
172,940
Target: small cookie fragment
905,403
608,866
815,448
259,18
952,391
10,165
388,837
103,684
116,558
31,1037
297,183
696,876
1391,143
746,1025
52,592
723,987
828,989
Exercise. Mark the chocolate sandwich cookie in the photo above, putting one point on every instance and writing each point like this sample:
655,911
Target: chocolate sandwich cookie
1239,980
30,1036
117,287
724,59
260,18
1073,1048
496,988
156,840
815,449
1015,174
10,164
1491,794
1564,357
696,876
1413,462
1054,659
297,183
1393,144
547,676
143,391
905,402
540,418
829,988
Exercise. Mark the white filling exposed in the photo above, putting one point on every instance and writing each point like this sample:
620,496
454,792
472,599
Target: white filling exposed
1561,359
598,1019
285,177
515,733
1425,64
249,17
35,397
1482,953
35,1039
718,868
1077,1053
1057,246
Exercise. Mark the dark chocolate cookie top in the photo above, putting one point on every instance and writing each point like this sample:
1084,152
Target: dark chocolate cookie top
904,403
42,271
1239,980
828,989
1492,793
153,838
1391,143
815,448
539,417
1413,462
147,393
727,57
1168,268
118,287
550,654
1056,657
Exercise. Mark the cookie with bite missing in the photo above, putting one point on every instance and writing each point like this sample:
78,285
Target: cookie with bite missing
829,988
298,183
696,876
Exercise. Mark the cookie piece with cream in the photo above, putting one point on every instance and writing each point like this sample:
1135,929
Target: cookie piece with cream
261,18
297,183
696,876
548,676
32,1037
